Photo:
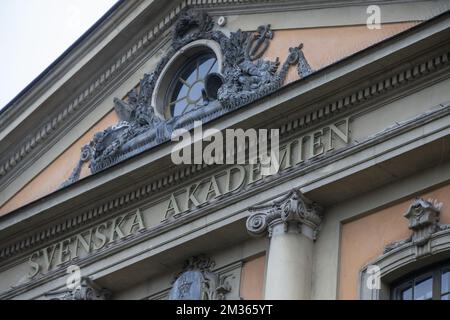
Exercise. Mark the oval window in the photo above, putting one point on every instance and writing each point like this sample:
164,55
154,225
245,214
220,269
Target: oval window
187,90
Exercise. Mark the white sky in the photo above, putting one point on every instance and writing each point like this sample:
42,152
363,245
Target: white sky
33,33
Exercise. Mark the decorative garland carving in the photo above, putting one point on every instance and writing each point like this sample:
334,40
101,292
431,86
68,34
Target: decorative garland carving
292,208
244,81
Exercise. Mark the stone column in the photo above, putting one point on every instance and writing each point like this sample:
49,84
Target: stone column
291,222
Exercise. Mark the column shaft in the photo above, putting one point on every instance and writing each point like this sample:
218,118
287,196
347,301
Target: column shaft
289,265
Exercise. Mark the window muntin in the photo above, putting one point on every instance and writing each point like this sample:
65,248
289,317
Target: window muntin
431,284
187,89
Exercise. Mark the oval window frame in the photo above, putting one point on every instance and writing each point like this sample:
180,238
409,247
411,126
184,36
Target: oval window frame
177,61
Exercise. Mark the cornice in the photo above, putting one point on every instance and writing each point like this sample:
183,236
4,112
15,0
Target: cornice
387,84
264,6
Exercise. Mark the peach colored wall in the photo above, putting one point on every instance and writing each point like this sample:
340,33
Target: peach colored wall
323,46
58,171
364,239
252,279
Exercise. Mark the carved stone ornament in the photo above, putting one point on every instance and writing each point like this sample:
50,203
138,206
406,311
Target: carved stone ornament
245,78
87,290
293,208
423,217
258,42
198,282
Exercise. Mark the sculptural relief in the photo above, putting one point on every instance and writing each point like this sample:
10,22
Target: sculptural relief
245,78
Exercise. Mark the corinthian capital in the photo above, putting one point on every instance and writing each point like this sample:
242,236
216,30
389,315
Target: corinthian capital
291,209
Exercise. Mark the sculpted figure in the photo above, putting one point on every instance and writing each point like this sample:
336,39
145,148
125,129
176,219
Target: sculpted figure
138,126
256,74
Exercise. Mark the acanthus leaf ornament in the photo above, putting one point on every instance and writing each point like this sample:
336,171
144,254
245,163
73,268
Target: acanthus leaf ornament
293,208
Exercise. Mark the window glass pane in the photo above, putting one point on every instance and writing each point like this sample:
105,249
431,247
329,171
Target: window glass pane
187,88
424,290
207,66
426,284
445,282
406,294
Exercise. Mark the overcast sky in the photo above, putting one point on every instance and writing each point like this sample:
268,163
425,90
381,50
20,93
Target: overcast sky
33,33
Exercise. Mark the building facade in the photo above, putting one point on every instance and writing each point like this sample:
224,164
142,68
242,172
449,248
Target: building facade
93,206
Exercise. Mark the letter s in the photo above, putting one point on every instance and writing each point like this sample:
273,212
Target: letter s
100,236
